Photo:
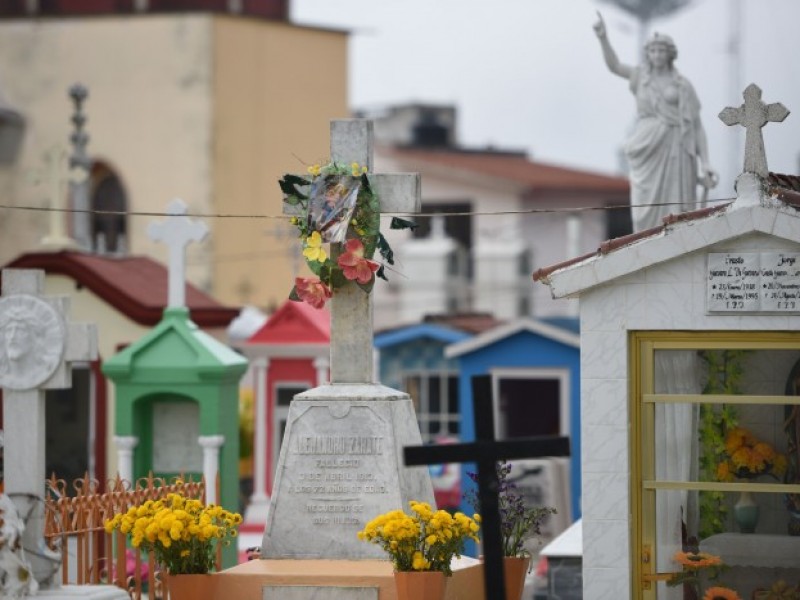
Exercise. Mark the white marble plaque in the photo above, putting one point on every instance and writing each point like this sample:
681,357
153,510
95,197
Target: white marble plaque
734,282
753,282
780,281
323,592
176,427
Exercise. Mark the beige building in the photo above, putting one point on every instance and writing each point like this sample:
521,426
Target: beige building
211,107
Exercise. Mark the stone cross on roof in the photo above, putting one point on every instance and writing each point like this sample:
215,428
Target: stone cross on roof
177,232
37,345
351,308
753,115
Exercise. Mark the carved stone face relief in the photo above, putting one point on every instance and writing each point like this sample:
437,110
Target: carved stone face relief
32,340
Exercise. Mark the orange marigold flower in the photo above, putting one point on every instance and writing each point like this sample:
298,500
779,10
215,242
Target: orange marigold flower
697,560
741,459
734,440
724,472
721,593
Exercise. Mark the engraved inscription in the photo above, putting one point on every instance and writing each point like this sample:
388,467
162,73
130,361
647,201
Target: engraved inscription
733,282
780,281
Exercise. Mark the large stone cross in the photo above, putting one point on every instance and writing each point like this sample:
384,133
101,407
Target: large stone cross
486,452
37,345
753,115
351,308
177,232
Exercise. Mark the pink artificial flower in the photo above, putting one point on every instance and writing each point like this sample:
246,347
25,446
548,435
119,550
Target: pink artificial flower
312,290
353,263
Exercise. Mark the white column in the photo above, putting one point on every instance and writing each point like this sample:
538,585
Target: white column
125,447
322,364
259,496
211,445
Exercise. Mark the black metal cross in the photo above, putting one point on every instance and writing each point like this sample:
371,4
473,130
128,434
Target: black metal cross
486,452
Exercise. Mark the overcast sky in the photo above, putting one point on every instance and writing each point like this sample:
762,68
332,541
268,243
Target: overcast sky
529,74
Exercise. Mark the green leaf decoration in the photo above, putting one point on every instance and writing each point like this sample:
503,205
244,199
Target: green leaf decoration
291,200
289,185
398,223
386,251
316,267
293,295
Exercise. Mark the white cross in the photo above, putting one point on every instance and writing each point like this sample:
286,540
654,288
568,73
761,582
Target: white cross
753,115
37,345
351,308
177,232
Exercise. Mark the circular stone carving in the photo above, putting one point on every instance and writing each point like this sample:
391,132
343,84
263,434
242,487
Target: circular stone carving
31,342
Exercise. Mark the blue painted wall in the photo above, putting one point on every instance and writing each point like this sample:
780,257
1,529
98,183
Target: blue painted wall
523,349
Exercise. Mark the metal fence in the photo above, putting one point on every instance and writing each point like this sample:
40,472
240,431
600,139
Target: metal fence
75,519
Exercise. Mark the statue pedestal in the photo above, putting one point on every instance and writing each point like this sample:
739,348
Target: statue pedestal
341,465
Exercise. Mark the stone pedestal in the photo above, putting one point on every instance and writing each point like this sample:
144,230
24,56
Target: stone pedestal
340,466
334,580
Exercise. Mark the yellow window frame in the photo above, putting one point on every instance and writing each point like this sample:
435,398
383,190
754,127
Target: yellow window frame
642,401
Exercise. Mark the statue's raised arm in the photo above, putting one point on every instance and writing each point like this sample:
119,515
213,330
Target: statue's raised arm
612,62
667,151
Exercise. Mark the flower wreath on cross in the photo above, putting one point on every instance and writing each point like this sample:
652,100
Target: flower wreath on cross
336,204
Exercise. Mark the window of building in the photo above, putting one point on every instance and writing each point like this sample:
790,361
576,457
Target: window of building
435,397
109,229
456,226
715,458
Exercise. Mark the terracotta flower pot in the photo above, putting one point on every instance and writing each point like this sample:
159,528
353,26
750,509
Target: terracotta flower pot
420,585
515,568
191,587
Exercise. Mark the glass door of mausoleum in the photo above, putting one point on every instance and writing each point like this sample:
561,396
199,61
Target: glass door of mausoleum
715,464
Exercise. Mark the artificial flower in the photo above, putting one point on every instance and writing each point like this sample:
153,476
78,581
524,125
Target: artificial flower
312,290
354,265
721,593
697,560
314,249
748,457
314,170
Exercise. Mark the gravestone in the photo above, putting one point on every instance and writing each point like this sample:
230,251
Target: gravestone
340,463
486,452
37,345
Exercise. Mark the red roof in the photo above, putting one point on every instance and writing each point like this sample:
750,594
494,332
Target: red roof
536,177
785,187
134,285
295,323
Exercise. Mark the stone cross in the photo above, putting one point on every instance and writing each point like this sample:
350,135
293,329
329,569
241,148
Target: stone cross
37,345
486,452
79,159
753,115
177,232
351,308
59,176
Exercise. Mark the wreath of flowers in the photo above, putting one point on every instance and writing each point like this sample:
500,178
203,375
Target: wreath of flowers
362,236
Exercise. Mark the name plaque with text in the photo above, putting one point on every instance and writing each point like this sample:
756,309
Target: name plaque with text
743,282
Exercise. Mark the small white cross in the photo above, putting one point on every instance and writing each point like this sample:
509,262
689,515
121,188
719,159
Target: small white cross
753,115
351,308
177,232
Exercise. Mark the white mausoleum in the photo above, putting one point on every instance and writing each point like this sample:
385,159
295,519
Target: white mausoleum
688,329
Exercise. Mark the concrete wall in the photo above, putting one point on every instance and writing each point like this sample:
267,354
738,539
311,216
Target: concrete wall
211,109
